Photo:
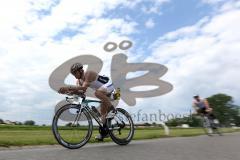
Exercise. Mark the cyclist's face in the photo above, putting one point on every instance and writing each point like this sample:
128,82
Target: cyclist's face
78,74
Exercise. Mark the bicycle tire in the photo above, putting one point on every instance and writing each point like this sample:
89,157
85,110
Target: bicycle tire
117,140
57,134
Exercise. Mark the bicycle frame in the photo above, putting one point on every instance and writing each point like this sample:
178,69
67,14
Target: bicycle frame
84,104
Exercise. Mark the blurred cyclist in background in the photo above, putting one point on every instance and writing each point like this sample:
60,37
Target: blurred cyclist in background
201,106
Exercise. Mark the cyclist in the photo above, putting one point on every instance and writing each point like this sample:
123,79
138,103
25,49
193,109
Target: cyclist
103,88
201,106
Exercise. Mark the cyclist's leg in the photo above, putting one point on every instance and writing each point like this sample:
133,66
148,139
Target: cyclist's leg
211,118
211,115
108,90
103,111
201,112
106,105
204,114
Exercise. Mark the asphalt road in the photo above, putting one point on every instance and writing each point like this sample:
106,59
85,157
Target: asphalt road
225,147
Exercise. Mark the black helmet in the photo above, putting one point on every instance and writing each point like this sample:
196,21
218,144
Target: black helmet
75,67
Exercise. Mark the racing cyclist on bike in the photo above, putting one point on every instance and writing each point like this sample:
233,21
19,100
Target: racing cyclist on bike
103,88
201,106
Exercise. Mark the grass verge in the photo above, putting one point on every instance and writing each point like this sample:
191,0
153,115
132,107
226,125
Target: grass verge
35,135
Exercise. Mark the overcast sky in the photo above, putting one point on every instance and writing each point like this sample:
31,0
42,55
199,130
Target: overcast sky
197,40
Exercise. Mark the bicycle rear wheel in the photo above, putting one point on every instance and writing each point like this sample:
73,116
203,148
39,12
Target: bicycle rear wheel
72,127
121,127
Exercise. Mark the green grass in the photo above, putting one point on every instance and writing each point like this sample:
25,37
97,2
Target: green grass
35,135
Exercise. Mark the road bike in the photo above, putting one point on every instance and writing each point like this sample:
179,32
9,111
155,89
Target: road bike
72,124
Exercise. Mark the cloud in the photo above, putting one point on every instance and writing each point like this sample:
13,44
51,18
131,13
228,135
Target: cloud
149,23
213,2
202,58
222,5
155,7
38,36
29,52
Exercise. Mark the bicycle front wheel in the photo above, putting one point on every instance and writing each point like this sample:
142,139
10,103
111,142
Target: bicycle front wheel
72,126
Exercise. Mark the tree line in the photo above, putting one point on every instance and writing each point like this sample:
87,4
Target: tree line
28,122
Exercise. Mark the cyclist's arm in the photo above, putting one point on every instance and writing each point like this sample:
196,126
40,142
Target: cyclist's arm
194,106
73,89
77,88
206,103
78,83
83,87
89,77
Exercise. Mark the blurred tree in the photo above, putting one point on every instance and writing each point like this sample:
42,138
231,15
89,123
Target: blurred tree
173,122
68,124
29,122
147,124
195,121
225,109
154,124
